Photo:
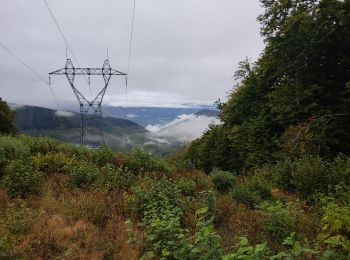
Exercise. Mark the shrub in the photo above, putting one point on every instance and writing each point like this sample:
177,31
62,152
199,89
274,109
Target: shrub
81,153
83,174
294,250
54,162
120,160
278,221
252,190
11,149
165,236
223,181
282,175
40,144
206,240
102,155
185,164
246,196
116,178
153,192
22,178
245,251
141,162
186,186
335,223
260,185
340,171
310,176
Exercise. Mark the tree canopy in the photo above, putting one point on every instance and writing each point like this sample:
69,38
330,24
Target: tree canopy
295,99
7,117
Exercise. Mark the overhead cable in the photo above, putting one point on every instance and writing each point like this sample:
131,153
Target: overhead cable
65,40
32,70
129,58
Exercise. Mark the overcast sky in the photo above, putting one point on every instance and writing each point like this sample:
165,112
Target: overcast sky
184,51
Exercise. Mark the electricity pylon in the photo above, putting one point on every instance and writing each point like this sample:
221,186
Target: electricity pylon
90,111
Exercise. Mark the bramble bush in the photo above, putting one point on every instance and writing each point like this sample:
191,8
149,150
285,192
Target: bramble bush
186,186
10,149
22,178
294,250
141,162
113,178
282,175
40,144
102,156
243,250
252,190
335,223
162,217
278,221
153,192
339,171
223,181
83,174
310,175
246,196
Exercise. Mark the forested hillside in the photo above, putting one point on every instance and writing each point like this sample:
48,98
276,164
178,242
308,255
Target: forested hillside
295,99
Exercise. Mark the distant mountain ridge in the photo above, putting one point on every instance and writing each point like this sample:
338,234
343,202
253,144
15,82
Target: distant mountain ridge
145,115
119,134
32,117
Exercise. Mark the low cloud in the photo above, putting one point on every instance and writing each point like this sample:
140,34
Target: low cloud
184,128
64,113
132,115
15,106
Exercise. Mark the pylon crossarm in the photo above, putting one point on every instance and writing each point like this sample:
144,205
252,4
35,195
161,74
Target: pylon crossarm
87,71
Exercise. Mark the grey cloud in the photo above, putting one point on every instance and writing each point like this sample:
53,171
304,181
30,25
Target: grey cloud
188,49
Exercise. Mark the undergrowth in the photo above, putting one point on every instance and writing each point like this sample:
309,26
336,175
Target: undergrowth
59,201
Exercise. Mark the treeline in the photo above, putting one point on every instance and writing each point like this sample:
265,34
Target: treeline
295,100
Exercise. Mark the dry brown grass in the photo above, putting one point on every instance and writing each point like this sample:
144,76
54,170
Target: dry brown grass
4,199
307,222
241,221
71,224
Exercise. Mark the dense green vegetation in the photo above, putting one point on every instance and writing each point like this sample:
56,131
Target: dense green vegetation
7,118
295,99
59,200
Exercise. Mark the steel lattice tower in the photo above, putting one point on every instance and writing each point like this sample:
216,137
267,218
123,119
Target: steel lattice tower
90,111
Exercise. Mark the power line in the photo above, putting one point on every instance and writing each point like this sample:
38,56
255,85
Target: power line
131,36
65,40
129,58
33,71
